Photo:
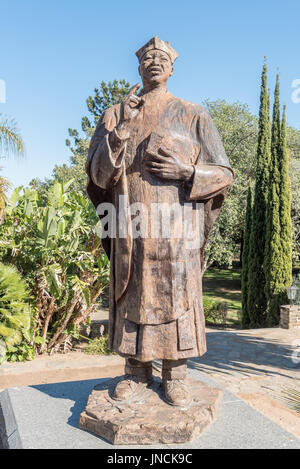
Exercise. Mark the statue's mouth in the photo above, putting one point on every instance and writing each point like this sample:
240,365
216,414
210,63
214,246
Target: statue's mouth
154,69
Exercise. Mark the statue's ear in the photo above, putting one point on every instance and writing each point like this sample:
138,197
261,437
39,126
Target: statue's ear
172,71
139,70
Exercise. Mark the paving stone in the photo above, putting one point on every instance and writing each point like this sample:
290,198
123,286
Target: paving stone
269,369
47,417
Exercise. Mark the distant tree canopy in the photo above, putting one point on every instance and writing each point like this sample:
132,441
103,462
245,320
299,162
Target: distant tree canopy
257,240
238,129
107,95
278,248
267,250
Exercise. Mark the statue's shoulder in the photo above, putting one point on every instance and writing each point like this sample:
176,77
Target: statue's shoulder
111,116
107,122
188,106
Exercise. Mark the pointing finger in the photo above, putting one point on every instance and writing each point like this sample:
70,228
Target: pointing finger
134,89
134,98
134,101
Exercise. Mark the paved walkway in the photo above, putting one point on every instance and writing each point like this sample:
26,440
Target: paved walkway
46,416
255,365
58,368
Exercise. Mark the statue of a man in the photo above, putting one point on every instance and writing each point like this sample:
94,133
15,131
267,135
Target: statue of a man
154,149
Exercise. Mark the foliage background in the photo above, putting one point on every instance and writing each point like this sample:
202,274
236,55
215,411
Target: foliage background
238,129
49,229
52,240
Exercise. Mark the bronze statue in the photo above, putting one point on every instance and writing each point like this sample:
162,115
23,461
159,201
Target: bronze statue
156,149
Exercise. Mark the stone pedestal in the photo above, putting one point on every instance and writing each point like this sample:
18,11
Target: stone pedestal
289,316
148,419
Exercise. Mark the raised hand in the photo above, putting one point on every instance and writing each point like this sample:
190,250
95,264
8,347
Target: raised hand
131,105
167,165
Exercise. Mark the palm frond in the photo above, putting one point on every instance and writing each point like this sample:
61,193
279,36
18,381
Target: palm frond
11,141
81,288
292,398
15,313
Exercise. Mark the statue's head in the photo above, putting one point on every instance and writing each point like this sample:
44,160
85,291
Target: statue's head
156,60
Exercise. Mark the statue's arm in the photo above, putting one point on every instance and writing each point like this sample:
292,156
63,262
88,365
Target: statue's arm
209,180
106,152
212,171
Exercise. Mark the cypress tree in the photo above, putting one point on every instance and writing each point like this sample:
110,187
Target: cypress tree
273,263
256,301
285,209
245,258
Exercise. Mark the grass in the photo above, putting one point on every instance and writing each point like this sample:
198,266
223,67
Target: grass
225,285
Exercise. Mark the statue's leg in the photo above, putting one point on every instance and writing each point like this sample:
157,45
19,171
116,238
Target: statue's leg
138,375
174,374
137,368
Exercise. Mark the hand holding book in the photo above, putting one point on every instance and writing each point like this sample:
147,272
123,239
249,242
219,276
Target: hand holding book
165,162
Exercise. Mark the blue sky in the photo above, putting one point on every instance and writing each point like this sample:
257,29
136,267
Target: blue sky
54,53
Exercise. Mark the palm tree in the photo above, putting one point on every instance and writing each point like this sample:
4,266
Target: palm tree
15,312
11,141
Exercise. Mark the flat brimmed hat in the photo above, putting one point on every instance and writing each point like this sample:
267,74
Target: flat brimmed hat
156,43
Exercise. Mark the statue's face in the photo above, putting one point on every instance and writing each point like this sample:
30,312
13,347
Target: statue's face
155,67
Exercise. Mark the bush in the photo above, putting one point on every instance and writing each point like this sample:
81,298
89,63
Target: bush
15,316
53,242
215,311
98,346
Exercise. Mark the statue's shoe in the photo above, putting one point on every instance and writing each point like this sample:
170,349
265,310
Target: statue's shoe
176,392
129,387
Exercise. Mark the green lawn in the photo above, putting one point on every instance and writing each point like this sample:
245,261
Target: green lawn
225,285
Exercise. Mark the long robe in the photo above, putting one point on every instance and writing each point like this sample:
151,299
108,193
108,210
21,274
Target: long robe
156,307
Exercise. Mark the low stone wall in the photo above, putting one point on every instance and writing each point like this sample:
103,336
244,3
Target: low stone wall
289,316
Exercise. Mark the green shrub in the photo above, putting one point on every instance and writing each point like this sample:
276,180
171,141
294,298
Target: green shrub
98,346
15,316
215,311
53,241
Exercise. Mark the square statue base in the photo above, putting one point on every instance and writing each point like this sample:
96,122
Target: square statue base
289,316
148,419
